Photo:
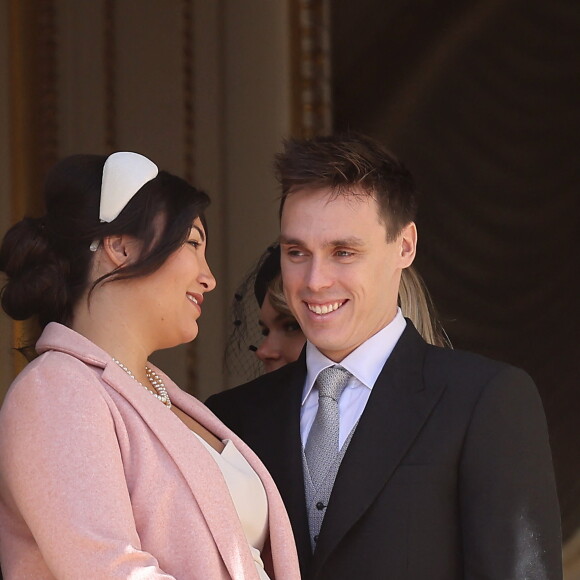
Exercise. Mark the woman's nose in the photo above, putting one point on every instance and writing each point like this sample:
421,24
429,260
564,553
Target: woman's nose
207,279
267,350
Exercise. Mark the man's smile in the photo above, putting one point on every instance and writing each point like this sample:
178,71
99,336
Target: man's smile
325,308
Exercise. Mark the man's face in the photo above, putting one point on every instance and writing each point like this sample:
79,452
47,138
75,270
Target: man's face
341,276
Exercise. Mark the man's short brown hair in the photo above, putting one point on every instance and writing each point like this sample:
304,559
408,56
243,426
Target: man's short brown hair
349,164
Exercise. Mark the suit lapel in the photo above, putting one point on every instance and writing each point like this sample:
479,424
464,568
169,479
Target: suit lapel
282,451
398,407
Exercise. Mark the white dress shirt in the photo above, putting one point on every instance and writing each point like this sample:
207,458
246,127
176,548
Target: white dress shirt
364,363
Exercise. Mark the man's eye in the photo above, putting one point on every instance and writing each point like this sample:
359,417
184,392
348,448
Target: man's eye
295,253
344,253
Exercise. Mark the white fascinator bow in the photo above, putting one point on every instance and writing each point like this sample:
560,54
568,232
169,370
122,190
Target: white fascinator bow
124,174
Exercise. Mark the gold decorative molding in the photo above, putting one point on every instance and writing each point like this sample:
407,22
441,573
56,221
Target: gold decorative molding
33,124
310,67
109,57
188,88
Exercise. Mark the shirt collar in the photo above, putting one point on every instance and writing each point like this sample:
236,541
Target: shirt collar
365,362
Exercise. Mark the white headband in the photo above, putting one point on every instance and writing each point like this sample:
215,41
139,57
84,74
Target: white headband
124,174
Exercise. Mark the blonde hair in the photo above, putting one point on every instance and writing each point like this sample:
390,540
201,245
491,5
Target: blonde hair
417,306
277,298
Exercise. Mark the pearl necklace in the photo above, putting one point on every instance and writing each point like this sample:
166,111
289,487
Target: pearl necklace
156,382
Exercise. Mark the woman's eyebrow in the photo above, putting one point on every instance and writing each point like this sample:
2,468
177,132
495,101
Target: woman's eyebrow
202,235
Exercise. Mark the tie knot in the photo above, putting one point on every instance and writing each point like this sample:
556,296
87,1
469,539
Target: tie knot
332,381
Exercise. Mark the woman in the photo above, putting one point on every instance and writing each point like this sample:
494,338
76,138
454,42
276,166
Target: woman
107,468
265,335
282,338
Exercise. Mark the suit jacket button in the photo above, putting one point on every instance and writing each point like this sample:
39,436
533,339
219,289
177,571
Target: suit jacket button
316,538
320,506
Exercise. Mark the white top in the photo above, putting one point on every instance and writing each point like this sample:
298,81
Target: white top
364,363
248,495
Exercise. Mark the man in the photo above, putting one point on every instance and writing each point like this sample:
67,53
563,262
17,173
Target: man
442,469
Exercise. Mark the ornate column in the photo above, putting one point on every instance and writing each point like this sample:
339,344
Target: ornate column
311,67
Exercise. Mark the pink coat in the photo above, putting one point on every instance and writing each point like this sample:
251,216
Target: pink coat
99,480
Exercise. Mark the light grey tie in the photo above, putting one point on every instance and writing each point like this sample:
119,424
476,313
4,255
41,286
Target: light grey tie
321,447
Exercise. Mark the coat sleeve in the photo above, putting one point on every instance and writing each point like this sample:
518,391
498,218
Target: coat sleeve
509,508
62,476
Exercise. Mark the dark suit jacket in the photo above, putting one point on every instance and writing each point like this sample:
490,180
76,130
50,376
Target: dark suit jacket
448,475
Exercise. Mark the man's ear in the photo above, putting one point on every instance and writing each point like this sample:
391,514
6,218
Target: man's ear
119,249
408,244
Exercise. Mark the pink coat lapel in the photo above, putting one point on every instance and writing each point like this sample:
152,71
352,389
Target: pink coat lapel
207,485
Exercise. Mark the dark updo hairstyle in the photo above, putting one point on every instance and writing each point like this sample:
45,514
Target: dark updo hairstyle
47,260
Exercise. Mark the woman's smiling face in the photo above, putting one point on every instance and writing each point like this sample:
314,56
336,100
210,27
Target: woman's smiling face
174,293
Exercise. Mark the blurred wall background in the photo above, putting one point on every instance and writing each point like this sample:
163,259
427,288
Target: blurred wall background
201,87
